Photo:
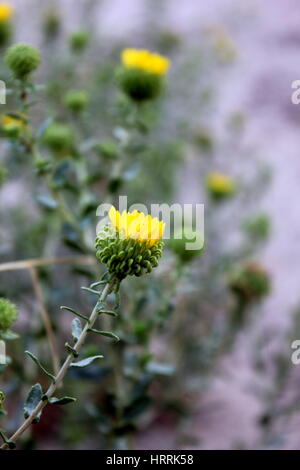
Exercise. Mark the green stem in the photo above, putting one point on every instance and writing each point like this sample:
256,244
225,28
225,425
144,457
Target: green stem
64,368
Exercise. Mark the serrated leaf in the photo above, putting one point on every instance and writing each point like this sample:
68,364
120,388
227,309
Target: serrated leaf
61,401
32,400
76,328
85,362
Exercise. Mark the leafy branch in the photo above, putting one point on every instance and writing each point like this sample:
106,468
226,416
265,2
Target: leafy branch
36,400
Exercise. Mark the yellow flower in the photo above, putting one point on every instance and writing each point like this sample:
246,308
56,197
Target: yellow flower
12,124
6,12
145,60
220,184
137,226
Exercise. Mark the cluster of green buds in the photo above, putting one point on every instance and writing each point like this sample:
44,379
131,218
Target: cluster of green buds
141,76
51,24
178,244
22,59
76,100
131,244
250,282
79,41
59,138
8,315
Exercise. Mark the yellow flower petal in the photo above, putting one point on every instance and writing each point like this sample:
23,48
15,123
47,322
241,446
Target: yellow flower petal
137,226
6,12
145,60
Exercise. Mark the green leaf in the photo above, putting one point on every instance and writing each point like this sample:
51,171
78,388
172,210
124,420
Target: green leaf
71,350
92,291
76,328
85,362
105,333
160,369
10,444
46,202
61,401
35,359
43,127
60,174
108,312
32,400
75,312
9,335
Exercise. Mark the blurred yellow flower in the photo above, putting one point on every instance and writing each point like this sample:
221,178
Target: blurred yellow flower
145,60
6,12
219,184
9,122
137,226
222,43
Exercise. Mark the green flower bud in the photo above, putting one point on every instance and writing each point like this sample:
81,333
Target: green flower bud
76,100
107,149
258,228
51,25
59,138
250,282
8,314
139,84
178,244
3,174
126,256
79,41
220,186
5,33
22,59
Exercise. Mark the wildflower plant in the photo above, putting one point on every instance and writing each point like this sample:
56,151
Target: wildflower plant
142,73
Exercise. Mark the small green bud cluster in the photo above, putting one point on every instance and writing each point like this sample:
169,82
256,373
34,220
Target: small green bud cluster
8,314
76,100
79,41
22,59
59,138
180,240
250,282
126,256
107,149
139,85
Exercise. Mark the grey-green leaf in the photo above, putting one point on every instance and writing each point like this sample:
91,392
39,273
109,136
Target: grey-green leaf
35,359
85,362
61,401
32,400
9,335
76,328
109,334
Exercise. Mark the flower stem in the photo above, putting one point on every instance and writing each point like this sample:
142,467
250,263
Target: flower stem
64,368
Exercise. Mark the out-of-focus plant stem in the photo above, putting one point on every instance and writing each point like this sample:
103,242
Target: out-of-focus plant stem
46,320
